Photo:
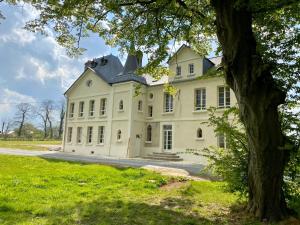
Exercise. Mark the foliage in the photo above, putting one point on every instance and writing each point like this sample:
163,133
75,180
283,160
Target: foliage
27,144
231,163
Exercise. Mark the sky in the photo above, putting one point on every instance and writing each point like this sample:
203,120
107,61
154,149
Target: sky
34,67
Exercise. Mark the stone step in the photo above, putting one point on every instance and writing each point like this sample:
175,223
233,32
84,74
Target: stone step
164,155
162,158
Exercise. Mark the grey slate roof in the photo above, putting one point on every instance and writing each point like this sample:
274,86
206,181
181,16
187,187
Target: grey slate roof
111,70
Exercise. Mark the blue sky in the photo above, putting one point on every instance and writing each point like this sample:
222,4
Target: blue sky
35,67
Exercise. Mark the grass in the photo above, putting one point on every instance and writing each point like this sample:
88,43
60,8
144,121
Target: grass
36,191
28,145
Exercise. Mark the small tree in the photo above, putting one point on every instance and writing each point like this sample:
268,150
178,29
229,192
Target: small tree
44,112
22,114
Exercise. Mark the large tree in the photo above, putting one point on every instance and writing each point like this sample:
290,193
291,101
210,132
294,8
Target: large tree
259,41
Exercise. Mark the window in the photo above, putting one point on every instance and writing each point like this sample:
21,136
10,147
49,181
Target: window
149,133
92,108
191,68
119,135
199,133
89,83
221,141
79,135
121,106
223,97
140,106
72,106
89,135
167,137
168,102
101,135
200,99
151,96
102,106
178,71
69,138
81,108
150,111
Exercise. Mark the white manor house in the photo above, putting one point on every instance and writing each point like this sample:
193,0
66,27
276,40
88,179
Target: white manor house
106,117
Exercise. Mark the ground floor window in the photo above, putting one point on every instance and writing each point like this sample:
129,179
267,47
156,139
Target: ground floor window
79,135
101,135
149,133
69,136
89,135
119,135
221,141
199,133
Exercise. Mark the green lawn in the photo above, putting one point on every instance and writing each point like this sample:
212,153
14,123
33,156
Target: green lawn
38,191
28,145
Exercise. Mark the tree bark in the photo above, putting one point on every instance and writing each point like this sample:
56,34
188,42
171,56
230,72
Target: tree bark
21,125
258,98
61,122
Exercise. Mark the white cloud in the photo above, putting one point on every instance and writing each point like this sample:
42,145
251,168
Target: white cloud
9,99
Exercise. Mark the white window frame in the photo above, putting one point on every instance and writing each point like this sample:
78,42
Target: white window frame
223,97
81,109
101,135
92,108
200,99
150,111
72,109
140,106
191,68
168,103
149,134
103,103
70,134
166,146
79,135
89,136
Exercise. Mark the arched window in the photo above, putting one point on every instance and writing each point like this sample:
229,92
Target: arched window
199,133
149,133
140,105
119,135
121,106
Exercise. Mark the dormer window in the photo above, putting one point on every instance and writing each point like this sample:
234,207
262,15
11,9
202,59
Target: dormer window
191,68
178,71
121,105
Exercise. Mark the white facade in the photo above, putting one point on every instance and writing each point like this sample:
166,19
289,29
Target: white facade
109,119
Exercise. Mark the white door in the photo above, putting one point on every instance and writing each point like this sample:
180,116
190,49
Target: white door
167,137
137,145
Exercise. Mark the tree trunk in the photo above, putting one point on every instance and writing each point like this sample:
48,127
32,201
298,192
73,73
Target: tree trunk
61,122
21,125
258,98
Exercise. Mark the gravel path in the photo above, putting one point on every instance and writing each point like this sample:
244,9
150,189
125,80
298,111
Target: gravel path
189,167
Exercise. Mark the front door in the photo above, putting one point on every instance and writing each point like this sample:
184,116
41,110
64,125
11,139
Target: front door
167,137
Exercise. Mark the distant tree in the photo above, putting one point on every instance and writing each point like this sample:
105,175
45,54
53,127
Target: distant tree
61,119
22,114
45,111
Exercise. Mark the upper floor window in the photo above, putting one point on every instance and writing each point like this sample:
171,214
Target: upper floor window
92,108
102,106
72,107
151,96
140,105
119,135
89,135
168,102
69,136
178,71
101,134
223,97
121,105
191,68
149,133
79,135
199,133
81,109
150,111
200,99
